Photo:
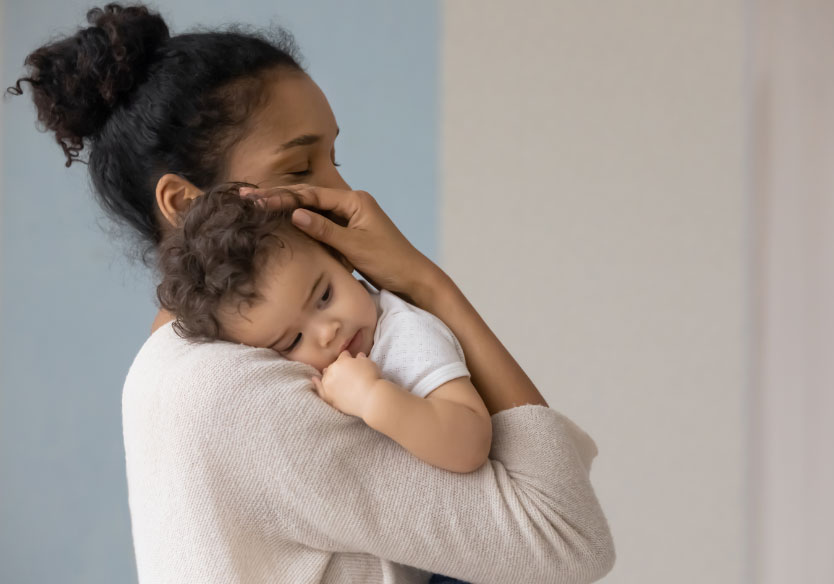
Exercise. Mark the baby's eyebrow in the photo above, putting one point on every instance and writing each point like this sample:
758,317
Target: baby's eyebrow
313,289
306,302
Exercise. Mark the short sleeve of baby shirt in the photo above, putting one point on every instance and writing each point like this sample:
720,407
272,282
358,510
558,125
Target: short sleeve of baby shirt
413,348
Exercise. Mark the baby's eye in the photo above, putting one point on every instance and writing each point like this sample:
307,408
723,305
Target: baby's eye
304,172
292,346
327,293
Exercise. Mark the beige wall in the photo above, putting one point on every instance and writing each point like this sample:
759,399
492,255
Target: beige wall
594,210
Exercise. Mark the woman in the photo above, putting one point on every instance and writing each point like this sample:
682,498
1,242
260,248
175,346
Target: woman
237,470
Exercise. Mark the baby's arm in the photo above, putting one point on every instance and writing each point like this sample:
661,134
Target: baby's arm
450,428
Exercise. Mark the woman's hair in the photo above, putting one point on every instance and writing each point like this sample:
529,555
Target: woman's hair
212,259
145,103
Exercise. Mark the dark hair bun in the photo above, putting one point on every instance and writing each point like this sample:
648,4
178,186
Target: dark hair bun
78,81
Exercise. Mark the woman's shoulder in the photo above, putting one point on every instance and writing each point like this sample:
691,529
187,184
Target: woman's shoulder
169,364
164,352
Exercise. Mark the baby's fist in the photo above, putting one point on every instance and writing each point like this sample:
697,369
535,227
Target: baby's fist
347,383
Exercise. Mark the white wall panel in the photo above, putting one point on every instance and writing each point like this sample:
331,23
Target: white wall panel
793,152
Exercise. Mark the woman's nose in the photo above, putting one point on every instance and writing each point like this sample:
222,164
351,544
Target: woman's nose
332,178
342,183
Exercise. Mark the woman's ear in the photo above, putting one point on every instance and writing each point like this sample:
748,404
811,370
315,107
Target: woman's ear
173,195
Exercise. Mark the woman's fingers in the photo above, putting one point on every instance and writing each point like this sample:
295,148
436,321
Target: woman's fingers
342,202
353,223
263,192
320,228
272,198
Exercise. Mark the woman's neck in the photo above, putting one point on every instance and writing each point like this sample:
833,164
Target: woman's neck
162,317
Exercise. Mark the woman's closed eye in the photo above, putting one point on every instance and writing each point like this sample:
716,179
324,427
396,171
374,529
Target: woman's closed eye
307,171
304,172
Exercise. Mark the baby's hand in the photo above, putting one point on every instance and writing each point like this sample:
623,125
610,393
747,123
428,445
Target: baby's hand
347,382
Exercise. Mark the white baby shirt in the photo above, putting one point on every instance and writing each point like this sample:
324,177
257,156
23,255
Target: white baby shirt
412,347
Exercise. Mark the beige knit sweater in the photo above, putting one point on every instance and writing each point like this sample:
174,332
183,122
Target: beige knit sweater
238,472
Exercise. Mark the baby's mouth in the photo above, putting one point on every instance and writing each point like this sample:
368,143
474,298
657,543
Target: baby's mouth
353,344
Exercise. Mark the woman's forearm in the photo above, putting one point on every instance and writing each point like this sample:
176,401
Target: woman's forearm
499,379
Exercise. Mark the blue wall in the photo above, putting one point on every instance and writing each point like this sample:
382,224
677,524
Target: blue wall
73,311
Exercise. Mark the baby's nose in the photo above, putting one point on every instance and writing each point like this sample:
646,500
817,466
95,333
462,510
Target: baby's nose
330,332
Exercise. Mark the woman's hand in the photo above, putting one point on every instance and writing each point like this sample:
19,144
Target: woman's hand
369,239
378,250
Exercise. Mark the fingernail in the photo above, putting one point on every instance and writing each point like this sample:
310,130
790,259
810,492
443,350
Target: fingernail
301,218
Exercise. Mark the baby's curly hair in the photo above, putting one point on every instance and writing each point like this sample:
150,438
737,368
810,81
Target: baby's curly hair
214,255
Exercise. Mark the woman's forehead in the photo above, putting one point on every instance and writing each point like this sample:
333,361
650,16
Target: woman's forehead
294,106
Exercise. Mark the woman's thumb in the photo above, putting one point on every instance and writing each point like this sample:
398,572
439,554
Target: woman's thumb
315,225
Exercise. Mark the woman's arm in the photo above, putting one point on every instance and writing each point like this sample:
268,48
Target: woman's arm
499,378
287,464
378,250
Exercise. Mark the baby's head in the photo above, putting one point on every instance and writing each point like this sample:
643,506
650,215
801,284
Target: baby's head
235,271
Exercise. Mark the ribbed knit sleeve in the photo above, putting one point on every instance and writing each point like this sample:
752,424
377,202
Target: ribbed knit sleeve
291,473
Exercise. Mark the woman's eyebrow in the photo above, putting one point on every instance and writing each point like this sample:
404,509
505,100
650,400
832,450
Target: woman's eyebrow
303,140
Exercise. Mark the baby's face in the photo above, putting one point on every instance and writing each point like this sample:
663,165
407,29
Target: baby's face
312,308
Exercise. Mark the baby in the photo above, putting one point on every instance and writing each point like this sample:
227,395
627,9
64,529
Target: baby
235,271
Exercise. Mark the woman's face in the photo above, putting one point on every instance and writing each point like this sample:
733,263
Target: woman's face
291,138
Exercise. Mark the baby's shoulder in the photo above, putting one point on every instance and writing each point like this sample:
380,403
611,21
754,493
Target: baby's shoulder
401,316
396,310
